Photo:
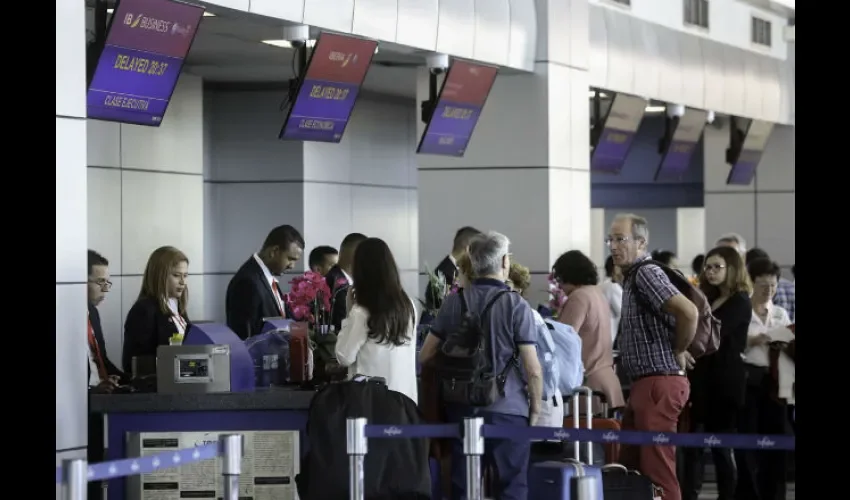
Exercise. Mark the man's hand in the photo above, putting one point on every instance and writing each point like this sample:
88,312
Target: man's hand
533,416
760,339
685,360
105,386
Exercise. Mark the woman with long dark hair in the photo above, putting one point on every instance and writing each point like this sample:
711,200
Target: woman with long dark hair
378,336
717,380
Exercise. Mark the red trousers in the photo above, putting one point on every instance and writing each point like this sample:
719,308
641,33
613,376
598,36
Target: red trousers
655,404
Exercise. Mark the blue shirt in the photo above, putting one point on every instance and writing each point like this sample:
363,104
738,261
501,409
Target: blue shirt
511,324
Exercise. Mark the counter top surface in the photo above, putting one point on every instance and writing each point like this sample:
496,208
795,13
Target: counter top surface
276,398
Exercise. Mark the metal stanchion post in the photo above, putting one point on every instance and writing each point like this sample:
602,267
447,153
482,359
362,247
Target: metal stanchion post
75,479
231,448
356,446
473,449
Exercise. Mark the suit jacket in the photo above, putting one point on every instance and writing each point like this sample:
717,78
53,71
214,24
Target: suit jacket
111,369
249,299
450,272
145,329
339,294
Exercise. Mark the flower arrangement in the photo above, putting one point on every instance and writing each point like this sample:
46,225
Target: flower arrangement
557,297
309,298
438,289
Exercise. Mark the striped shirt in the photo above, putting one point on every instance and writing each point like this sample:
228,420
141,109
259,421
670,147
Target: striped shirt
645,340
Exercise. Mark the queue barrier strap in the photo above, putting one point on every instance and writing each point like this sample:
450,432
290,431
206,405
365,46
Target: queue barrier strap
168,459
522,433
148,463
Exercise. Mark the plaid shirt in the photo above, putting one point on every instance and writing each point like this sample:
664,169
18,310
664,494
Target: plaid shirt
645,341
786,296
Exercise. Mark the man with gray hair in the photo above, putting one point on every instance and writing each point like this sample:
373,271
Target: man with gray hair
657,324
513,338
733,240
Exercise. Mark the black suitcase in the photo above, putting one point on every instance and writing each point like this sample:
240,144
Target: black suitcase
619,483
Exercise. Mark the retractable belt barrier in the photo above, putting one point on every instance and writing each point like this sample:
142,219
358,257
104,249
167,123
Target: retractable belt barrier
74,475
473,431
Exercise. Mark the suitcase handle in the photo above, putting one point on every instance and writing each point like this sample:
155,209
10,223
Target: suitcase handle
588,392
618,467
577,465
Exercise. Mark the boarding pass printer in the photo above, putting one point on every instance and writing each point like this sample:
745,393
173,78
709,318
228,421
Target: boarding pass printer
193,369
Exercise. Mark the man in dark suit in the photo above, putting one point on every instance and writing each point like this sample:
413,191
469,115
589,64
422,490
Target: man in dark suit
104,376
322,259
254,292
339,278
448,266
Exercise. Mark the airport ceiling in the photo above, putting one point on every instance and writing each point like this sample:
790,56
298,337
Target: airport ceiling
229,48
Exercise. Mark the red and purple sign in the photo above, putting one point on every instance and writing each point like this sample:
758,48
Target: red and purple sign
461,100
329,89
621,124
141,62
611,151
744,170
677,159
683,144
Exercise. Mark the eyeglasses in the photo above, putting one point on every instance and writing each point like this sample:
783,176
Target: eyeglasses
617,240
104,285
714,267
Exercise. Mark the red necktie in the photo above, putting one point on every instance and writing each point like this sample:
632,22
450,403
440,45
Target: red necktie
95,349
278,299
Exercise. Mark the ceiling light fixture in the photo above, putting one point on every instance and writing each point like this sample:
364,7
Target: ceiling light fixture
592,94
655,109
287,44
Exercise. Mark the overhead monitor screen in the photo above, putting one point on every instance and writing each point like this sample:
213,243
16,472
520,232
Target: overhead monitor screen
678,156
329,88
610,153
744,169
135,76
465,90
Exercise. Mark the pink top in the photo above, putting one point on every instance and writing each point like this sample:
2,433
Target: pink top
588,312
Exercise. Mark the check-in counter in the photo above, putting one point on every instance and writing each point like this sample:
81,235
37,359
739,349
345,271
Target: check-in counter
131,419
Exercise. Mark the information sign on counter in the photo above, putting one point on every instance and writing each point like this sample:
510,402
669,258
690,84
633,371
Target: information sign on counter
269,467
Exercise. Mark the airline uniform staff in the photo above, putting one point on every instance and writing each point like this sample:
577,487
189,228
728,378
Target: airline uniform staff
160,311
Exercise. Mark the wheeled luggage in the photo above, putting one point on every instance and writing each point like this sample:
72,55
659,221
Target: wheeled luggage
567,479
610,452
619,483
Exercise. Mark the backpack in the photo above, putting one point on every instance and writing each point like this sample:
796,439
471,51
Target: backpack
547,354
567,354
707,338
395,468
464,363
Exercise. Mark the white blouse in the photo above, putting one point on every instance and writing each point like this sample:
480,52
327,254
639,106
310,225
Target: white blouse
613,293
775,326
363,356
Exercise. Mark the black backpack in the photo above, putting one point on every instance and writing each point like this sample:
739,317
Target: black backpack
395,468
464,363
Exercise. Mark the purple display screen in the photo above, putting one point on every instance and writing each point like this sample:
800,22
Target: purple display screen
459,105
141,62
677,160
611,151
744,170
327,94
